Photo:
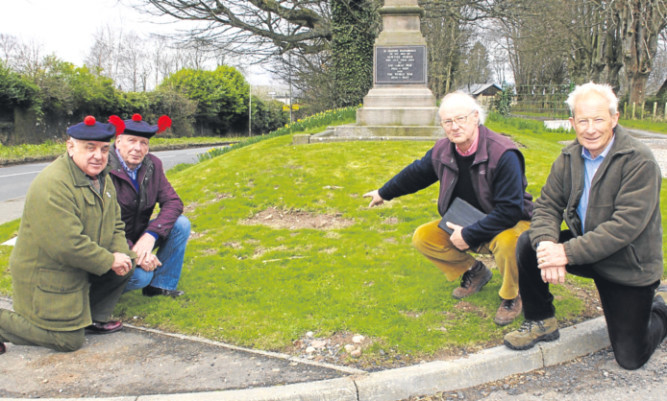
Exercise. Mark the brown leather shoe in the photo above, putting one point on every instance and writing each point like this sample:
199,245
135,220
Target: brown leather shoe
104,327
508,310
473,280
2,348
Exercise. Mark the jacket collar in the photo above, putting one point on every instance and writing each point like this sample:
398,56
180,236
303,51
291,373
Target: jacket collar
622,144
79,177
115,165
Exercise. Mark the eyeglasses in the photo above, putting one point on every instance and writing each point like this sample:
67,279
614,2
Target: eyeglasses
584,123
460,120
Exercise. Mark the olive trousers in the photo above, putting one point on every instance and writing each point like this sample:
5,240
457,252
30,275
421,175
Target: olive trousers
434,243
16,329
105,290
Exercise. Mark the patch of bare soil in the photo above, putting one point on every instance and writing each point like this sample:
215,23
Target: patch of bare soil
390,221
191,207
295,219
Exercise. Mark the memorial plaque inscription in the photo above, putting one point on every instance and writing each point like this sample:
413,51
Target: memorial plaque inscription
400,65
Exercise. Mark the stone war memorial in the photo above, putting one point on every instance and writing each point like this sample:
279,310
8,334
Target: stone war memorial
400,106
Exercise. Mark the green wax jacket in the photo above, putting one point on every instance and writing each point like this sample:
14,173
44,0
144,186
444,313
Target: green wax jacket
67,232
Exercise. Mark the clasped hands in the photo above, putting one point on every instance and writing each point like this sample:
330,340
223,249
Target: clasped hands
122,264
144,250
551,260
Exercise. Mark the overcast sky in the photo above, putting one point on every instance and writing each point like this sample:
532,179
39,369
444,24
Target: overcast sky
66,28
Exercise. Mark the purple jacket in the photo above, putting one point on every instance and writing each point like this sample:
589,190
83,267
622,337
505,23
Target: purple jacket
491,148
498,182
137,208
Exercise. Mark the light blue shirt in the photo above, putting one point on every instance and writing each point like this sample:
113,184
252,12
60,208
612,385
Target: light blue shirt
590,168
132,173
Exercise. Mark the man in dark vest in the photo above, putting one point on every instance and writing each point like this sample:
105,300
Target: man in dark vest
487,170
71,261
141,185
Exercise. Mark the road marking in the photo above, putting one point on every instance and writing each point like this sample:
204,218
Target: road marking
17,174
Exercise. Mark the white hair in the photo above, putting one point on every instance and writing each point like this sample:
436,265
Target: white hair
603,90
465,99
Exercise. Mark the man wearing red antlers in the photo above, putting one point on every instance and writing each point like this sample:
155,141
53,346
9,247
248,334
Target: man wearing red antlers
141,184
71,260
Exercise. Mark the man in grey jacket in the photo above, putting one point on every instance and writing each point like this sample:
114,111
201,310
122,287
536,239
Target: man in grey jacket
606,186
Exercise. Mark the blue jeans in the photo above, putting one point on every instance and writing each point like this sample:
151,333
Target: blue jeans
170,253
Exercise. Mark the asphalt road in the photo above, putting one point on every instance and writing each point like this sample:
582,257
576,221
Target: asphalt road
15,180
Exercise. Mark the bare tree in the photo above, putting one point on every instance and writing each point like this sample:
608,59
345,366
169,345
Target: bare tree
8,48
28,59
258,27
534,61
448,26
138,63
639,24
161,57
475,68
103,57
658,77
446,39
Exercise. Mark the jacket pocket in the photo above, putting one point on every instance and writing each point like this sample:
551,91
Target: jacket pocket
623,263
59,295
89,196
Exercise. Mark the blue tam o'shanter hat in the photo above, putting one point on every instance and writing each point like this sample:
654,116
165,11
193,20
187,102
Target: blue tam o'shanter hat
92,130
135,126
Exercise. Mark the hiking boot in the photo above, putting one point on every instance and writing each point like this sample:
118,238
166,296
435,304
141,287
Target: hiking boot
473,280
508,310
531,332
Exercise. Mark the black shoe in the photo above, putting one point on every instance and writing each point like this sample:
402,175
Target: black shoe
153,291
104,327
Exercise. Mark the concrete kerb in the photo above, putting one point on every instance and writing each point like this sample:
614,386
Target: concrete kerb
426,378
483,367
344,369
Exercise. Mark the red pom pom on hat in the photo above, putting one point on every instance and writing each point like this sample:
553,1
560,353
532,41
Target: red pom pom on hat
118,123
89,120
163,123
136,117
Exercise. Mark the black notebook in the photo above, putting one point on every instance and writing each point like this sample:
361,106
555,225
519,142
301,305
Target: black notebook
462,213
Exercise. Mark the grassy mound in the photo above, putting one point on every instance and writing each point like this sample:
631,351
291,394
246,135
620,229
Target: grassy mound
284,245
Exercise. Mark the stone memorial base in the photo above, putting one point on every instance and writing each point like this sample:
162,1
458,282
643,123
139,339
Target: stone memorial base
398,105
348,133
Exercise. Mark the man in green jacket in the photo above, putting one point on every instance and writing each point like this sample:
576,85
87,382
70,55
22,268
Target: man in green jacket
71,260
606,186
